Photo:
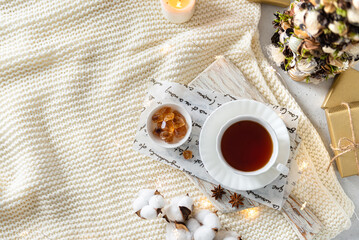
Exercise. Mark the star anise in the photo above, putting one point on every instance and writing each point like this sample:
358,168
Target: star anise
236,200
218,192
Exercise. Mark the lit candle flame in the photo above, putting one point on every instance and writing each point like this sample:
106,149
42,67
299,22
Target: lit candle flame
179,4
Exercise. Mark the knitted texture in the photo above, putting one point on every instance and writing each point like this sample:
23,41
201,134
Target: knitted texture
73,76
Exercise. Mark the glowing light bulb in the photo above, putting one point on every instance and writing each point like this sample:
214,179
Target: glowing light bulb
166,49
250,213
205,203
303,166
303,206
24,233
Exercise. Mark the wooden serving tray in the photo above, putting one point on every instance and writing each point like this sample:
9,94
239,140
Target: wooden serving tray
223,76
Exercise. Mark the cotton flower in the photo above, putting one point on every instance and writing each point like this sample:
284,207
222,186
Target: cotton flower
173,233
204,233
192,224
139,203
157,201
146,193
179,209
211,220
148,212
200,216
148,203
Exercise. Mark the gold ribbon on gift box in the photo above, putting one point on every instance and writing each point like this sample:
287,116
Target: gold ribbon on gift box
345,144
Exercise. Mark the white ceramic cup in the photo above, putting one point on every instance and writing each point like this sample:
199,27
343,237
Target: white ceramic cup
281,168
150,125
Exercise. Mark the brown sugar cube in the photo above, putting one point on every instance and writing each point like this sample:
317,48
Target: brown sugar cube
157,117
178,121
164,111
169,139
169,117
157,131
167,126
160,114
177,113
166,136
180,132
187,154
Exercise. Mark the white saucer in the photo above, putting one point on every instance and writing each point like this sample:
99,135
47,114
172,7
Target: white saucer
207,144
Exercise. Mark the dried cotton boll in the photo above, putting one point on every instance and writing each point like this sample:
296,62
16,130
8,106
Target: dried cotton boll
338,28
157,202
298,16
294,44
173,213
353,49
211,220
200,216
139,203
329,50
282,37
204,233
142,206
172,233
148,212
276,54
334,27
179,209
297,75
311,22
146,193
306,67
355,37
175,200
353,16
356,4
187,202
192,225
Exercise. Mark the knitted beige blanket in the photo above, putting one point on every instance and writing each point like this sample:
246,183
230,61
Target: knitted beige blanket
73,75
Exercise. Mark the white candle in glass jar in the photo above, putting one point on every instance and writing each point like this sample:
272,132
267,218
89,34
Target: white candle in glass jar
178,11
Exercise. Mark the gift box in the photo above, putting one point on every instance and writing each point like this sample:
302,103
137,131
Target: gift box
344,90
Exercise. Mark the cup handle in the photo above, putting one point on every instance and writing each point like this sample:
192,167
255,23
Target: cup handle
282,169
